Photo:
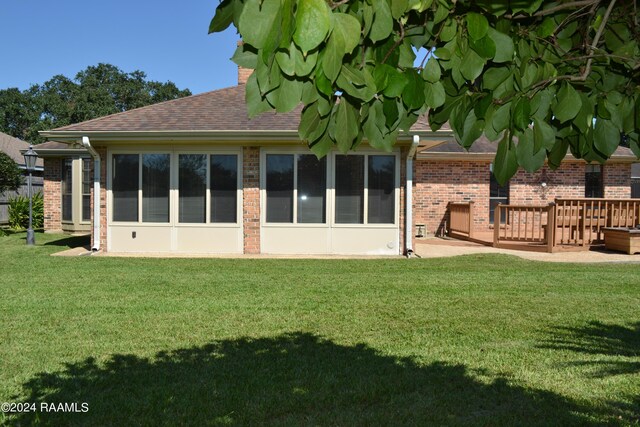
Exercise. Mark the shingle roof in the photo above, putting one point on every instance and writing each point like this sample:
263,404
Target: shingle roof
218,110
12,147
484,146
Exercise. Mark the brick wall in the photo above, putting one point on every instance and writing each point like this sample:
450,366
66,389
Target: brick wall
438,183
617,181
251,199
52,190
243,75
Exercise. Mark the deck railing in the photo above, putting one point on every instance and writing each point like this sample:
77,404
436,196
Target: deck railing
524,224
460,219
580,221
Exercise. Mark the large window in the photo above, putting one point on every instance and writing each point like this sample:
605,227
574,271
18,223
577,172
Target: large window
205,183
498,194
593,182
155,171
301,178
86,190
220,171
192,188
67,189
224,188
365,180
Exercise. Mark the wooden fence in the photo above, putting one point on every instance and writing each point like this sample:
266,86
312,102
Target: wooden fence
36,187
460,219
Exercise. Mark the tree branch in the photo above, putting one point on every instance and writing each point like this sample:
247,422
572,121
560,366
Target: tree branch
555,9
396,44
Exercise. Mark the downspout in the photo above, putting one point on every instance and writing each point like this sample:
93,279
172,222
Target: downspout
408,228
96,192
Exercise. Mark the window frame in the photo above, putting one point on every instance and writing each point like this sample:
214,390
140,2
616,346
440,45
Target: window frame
174,152
82,193
175,164
263,189
365,209
70,163
330,221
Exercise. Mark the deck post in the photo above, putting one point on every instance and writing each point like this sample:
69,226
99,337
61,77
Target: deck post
471,219
551,227
496,225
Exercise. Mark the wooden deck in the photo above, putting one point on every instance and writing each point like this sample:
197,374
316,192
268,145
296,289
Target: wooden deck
566,225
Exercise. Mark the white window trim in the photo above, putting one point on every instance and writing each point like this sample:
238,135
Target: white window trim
173,151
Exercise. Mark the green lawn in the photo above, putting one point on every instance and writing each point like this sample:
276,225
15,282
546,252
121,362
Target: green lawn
476,340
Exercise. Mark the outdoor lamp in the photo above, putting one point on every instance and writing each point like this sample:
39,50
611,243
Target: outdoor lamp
30,158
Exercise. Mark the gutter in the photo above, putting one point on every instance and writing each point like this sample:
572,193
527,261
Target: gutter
408,228
96,192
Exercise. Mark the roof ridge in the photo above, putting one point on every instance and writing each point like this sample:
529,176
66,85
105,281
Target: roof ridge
97,119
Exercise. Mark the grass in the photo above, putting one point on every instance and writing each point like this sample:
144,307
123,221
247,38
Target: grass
475,340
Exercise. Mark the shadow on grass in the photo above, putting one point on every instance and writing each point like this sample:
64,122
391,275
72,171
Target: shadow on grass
596,338
290,379
71,241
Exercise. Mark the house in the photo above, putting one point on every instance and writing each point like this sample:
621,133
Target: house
14,148
67,195
195,175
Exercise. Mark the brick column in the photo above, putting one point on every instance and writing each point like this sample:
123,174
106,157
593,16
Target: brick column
102,151
52,191
251,199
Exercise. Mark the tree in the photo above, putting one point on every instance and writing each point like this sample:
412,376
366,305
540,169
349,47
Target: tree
96,91
540,77
10,174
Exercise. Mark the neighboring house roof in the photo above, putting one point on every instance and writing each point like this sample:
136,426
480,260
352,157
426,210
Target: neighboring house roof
483,148
13,147
60,149
220,112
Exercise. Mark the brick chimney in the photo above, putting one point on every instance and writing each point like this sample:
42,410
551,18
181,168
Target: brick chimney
243,74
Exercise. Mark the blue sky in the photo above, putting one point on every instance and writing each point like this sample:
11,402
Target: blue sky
166,39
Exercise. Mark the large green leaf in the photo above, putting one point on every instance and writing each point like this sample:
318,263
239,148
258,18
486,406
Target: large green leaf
472,130
505,164
502,118
504,46
521,114
313,23
528,157
431,71
398,8
348,29
256,104
568,105
312,123
382,21
558,153
434,95
223,17
395,84
413,93
543,135
257,20
472,65
477,25
346,124
245,57
606,137
322,145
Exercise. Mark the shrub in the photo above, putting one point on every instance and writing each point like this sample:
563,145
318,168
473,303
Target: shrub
19,212
10,174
